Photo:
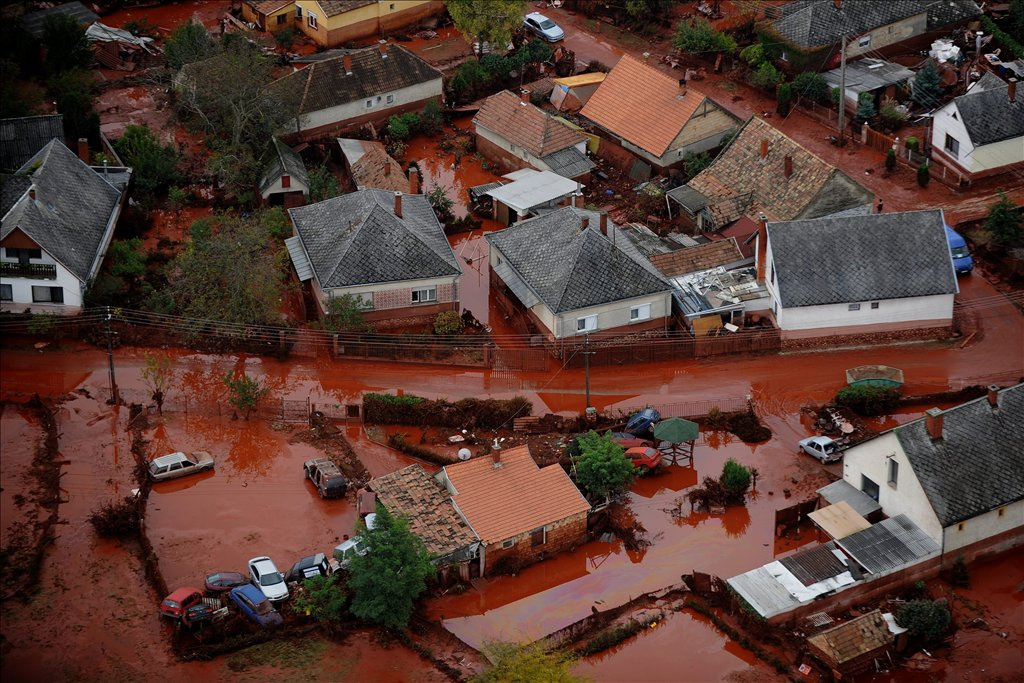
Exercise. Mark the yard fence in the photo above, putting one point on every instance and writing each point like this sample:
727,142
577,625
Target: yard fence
672,346
688,410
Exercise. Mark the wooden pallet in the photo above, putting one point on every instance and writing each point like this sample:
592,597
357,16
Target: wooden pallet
530,425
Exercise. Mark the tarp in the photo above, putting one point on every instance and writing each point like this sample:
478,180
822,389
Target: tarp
676,430
839,520
102,33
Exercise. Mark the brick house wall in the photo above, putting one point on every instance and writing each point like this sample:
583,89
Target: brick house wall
562,535
501,157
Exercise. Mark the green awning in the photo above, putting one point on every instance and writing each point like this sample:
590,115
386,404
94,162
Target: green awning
676,430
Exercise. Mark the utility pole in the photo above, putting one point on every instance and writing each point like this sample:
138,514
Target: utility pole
110,360
842,92
586,365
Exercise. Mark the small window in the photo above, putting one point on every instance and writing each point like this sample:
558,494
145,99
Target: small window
869,487
961,526
783,56
508,544
369,103
952,146
854,307
874,305
23,255
298,13
587,324
48,295
282,18
423,296
391,99
865,41
6,293
391,7
286,181
311,20
641,312
894,472
1001,512
538,537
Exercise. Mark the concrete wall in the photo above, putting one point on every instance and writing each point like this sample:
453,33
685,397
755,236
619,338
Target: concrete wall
395,298
560,536
887,35
975,161
984,526
404,99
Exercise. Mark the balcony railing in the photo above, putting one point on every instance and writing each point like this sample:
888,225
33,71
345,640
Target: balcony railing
35,271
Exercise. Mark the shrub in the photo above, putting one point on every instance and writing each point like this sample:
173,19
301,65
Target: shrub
912,143
610,637
700,36
1012,45
749,428
753,55
416,410
765,77
593,66
403,126
448,323
735,478
924,619
959,575
924,175
868,400
1005,223
866,106
835,96
117,519
431,120
126,259
715,419
892,116
693,164
602,468
890,160
323,598
398,442
783,97
285,38
812,86
155,165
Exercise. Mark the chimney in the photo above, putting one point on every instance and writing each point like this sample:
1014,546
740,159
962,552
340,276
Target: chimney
764,148
787,166
414,181
83,149
496,453
577,200
383,50
933,423
1011,90
881,205
838,4
398,204
993,395
524,95
584,223
977,41
347,62
762,246
387,168
32,192
604,223
682,87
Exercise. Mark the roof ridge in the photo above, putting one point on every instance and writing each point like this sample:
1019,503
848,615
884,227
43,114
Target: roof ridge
356,229
577,246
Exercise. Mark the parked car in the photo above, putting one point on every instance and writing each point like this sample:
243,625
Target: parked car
255,605
629,441
314,565
326,477
264,575
224,581
174,465
644,457
821,447
349,549
542,27
963,264
197,614
175,604
642,423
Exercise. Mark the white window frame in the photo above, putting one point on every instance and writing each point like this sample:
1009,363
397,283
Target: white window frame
508,543
369,104
864,41
853,307
424,295
587,323
639,313
391,99
954,148
38,289
6,292
311,20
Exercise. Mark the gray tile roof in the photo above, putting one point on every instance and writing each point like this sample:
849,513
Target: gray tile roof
356,239
814,565
816,23
988,113
978,464
34,22
283,161
325,84
865,75
889,545
73,205
861,258
568,268
22,137
569,162
12,187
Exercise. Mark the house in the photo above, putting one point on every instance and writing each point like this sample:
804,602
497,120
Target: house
858,275
853,647
330,23
882,79
575,274
363,86
425,503
284,181
21,138
35,22
269,15
384,248
810,31
371,167
514,134
520,512
528,194
958,473
650,115
763,171
59,216
572,92
981,133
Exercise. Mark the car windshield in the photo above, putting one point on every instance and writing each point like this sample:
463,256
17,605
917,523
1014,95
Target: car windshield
548,24
270,579
959,252
263,607
171,603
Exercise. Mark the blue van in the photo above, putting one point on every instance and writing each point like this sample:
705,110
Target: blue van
963,264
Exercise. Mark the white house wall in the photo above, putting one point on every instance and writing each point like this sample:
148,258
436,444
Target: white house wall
278,188
444,285
887,35
924,309
983,526
21,289
614,315
514,150
351,110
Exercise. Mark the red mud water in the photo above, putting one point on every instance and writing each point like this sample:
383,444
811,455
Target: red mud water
119,108
168,16
684,647
172,226
20,434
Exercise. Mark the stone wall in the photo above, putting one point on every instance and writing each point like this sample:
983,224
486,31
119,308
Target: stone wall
562,535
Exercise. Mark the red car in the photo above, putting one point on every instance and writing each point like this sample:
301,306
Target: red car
175,604
627,440
645,457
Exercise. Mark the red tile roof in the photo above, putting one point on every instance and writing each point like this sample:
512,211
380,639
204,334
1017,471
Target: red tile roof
641,105
525,125
515,498
371,170
701,257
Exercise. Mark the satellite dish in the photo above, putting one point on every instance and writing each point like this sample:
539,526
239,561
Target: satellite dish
465,454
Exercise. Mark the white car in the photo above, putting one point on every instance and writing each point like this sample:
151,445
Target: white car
265,576
174,465
349,549
544,28
821,447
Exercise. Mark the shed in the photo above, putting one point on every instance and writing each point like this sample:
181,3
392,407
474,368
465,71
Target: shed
528,191
853,647
839,520
842,491
889,546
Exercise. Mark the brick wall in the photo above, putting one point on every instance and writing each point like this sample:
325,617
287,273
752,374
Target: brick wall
561,536
502,157
338,129
402,298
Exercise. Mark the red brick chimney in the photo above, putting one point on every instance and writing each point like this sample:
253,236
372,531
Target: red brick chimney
577,200
682,87
933,423
32,193
414,181
387,168
604,223
398,204
584,223
383,50
496,453
762,246
524,95
764,148
1011,89
993,395
838,4
83,149
787,166
347,62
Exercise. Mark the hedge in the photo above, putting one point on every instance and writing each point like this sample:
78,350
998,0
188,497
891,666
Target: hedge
468,413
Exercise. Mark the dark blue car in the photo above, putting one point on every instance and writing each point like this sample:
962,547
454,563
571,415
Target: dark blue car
641,424
253,604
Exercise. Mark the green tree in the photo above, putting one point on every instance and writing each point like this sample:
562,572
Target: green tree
754,55
155,166
156,375
811,85
126,258
693,164
323,598
890,160
766,77
490,21
73,91
442,204
924,619
1015,20
865,106
1005,223
344,314
735,478
602,468
701,37
237,169
65,43
468,80
387,580
244,392
403,126
925,89
514,663
431,120
642,14
924,175
891,115
783,98
187,44
322,184
448,323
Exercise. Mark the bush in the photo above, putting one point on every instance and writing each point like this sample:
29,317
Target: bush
285,38
117,519
735,478
783,97
602,468
403,126
431,120
1011,44
766,77
912,143
812,86
835,96
398,442
448,323
700,36
323,598
866,106
924,175
892,116
593,66
890,160
749,428
155,166
1005,223
753,55
468,412
869,400
924,619
959,575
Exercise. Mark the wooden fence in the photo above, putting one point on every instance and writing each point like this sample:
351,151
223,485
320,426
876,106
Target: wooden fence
674,346
689,409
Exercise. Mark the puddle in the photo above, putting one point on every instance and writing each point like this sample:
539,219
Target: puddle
20,434
169,16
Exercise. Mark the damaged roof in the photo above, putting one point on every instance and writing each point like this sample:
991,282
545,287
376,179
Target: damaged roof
701,257
848,641
371,166
525,125
889,545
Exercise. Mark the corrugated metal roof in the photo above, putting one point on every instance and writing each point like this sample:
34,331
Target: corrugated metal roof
763,592
889,545
814,565
843,491
540,187
303,267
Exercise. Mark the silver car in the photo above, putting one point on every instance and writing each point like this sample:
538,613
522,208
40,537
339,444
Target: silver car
179,464
544,28
821,447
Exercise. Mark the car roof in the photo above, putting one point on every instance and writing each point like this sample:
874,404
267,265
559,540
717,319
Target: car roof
170,458
181,593
536,15
819,440
250,591
263,563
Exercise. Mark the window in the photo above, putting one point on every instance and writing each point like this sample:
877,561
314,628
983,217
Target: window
952,146
391,7
365,301
894,472
48,295
508,544
425,295
298,13
281,18
311,20
1001,511
391,99
874,305
23,255
286,181
869,487
961,526
369,103
865,41
6,293
587,324
538,537
854,307
641,312
783,56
